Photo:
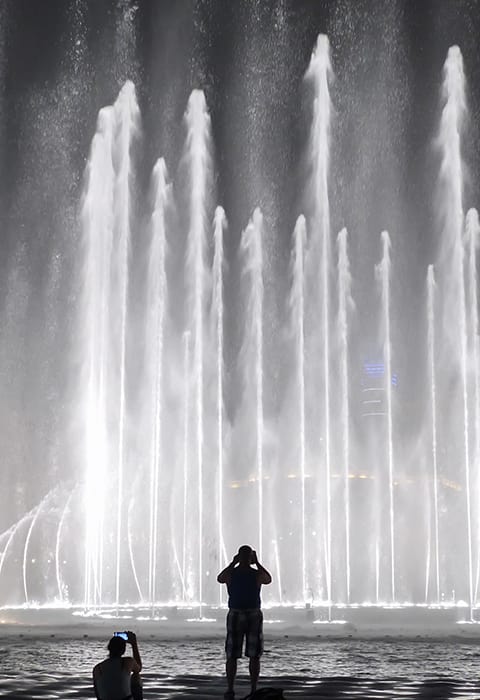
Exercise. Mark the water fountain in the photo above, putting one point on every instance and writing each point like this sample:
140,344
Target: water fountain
345,304
253,352
433,399
183,456
217,305
297,306
157,288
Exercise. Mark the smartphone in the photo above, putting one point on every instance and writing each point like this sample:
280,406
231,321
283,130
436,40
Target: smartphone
123,635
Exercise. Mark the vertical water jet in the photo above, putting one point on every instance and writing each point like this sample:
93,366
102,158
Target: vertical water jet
297,321
319,72
452,258
433,408
251,246
197,272
186,455
97,234
383,271
218,270
345,303
472,240
157,299
126,118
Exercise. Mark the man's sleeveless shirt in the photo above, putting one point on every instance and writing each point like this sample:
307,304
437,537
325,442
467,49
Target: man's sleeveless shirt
244,590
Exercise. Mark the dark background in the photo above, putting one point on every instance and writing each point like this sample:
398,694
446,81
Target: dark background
70,58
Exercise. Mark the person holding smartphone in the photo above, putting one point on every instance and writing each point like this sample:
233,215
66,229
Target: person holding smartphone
245,618
118,676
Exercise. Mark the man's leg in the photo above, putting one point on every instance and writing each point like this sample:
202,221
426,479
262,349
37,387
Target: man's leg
254,645
231,668
254,669
233,647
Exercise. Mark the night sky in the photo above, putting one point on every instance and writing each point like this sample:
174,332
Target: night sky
62,61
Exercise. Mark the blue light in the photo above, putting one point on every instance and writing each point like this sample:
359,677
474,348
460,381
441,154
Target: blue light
374,369
377,369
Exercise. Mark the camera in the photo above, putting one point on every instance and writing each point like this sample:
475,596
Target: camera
122,635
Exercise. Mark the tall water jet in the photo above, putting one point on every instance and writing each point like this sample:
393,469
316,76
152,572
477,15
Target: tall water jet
383,271
319,72
251,246
97,231
106,213
157,299
186,440
452,255
126,117
345,305
472,240
217,307
433,409
297,321
198,280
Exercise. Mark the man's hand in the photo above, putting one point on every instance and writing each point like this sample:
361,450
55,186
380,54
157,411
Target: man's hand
263,575
224,576
132,639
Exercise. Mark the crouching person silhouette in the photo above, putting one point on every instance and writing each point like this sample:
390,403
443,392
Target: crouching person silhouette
244,619
118,676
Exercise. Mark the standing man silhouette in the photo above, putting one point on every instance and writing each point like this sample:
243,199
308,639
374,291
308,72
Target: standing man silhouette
245,618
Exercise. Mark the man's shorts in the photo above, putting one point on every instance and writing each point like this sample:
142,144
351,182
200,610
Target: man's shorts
240,624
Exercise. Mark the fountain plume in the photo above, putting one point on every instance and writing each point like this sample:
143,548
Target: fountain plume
198,279
297,321
472,240
319,73
451,261
106,214
433,407
220,224
97,229
345,306
157,301
251,247
383,272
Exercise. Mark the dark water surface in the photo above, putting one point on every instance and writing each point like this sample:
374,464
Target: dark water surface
387,668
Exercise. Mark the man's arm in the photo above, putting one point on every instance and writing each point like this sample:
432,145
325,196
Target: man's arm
263,576
224,576
130,664
132,639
